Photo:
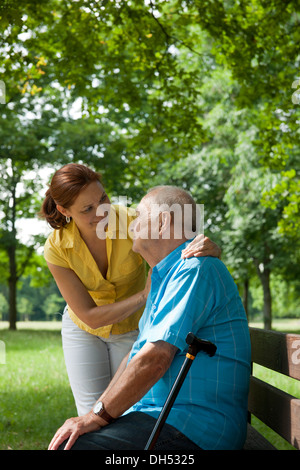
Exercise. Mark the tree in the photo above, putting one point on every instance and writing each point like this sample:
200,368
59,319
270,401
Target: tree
117,57
14,205
53,306
138,71
57,52
225,175
3,306
25,308
259,42
22,150
254,234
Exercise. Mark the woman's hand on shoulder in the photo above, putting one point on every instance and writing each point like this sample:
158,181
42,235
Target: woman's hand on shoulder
202,246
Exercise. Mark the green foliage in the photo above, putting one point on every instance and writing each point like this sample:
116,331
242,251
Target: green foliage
287,190
258,41
53,306
3,306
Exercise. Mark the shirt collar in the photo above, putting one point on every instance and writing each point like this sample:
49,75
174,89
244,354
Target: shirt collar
68,235
166,263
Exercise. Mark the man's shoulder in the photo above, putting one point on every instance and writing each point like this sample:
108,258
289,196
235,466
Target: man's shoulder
201,262
203,267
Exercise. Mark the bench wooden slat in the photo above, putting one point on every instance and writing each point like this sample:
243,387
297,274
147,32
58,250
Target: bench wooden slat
276,351
277,409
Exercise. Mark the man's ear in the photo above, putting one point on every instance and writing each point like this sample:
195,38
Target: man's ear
164,224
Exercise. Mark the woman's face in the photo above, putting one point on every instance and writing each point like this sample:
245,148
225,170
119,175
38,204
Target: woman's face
84,210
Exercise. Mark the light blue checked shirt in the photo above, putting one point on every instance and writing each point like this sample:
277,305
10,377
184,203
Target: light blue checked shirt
198,295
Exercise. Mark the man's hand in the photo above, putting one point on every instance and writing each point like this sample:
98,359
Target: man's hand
201,246
73,428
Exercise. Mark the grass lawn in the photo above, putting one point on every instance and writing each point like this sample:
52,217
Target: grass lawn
35,394
34,389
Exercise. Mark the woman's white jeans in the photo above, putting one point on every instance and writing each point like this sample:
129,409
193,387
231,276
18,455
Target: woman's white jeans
91,361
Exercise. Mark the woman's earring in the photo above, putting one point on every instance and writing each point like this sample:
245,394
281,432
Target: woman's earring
68,219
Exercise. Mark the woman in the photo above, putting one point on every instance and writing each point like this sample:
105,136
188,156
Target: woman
101,279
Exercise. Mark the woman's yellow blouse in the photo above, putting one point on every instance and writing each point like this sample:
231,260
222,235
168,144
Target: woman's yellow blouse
126,269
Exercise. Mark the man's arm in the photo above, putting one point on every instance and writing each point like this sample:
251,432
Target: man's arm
142,372
129,385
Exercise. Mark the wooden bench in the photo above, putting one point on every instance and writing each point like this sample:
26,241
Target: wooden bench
277,409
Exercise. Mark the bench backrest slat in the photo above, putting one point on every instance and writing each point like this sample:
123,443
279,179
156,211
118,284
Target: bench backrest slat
277,409
276,351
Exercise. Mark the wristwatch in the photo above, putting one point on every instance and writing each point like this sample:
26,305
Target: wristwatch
101,411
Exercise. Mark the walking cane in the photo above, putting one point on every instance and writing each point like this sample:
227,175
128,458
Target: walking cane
195,345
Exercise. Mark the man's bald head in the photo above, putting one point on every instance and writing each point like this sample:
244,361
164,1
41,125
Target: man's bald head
166,218
179,203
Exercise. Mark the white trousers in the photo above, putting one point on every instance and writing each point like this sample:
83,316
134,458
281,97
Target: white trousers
91,361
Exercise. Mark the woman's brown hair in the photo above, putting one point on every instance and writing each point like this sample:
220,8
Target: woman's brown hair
66,184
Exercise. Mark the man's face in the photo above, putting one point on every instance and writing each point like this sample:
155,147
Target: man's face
141,228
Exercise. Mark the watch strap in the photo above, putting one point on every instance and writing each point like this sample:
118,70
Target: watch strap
104,415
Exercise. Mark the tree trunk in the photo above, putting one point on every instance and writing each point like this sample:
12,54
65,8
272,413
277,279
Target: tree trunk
264,275
11,250
265,280
246,297
12,283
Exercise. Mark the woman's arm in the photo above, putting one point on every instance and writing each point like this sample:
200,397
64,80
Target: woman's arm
84,307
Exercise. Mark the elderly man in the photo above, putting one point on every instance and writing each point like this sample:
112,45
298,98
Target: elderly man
187,295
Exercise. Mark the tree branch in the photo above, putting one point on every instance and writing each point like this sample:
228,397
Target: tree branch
168,36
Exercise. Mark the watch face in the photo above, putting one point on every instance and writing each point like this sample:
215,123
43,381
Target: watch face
98,407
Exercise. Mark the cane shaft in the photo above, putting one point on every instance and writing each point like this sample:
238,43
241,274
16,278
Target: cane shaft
169,403
195,345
